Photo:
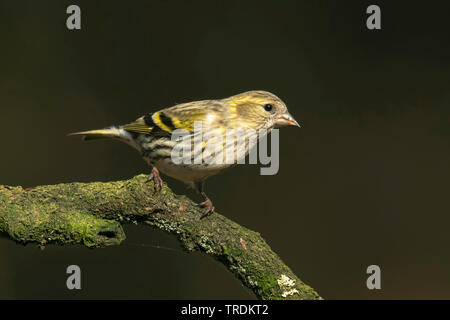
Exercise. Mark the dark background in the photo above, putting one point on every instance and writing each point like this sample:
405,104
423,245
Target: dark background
365,181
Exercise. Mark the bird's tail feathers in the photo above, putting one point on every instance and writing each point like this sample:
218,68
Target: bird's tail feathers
107,133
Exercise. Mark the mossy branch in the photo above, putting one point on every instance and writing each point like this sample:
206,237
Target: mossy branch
92,214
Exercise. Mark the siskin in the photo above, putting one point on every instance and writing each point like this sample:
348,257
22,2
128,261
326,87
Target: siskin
151,134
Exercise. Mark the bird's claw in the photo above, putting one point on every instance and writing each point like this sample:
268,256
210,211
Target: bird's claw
154,175
209,208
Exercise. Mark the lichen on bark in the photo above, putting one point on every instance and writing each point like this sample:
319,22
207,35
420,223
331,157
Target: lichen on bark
92,214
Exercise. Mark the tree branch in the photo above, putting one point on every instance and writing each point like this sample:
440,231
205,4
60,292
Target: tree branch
92,213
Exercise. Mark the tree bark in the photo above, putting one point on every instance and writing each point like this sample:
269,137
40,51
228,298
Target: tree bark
92,214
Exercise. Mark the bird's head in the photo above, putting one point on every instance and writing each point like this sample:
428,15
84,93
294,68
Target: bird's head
260,110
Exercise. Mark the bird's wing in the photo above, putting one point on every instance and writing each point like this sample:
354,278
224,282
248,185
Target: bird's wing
182,116
142,125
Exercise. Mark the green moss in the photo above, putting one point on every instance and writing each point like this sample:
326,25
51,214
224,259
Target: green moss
264,284
91,213
232,253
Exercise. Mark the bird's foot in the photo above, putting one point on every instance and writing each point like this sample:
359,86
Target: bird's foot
154,175
208,205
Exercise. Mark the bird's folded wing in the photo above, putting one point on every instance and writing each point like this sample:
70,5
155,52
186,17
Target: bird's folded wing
182,116
139,126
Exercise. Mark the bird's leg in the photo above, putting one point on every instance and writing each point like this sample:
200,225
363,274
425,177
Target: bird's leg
207,203
154,175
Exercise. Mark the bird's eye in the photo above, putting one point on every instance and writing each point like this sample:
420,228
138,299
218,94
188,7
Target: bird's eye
268,107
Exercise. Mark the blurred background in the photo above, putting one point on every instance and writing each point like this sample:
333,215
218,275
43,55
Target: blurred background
365,181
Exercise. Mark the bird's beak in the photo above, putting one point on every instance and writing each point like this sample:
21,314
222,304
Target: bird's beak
285,120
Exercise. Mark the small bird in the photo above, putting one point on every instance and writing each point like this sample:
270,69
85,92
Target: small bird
152,133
